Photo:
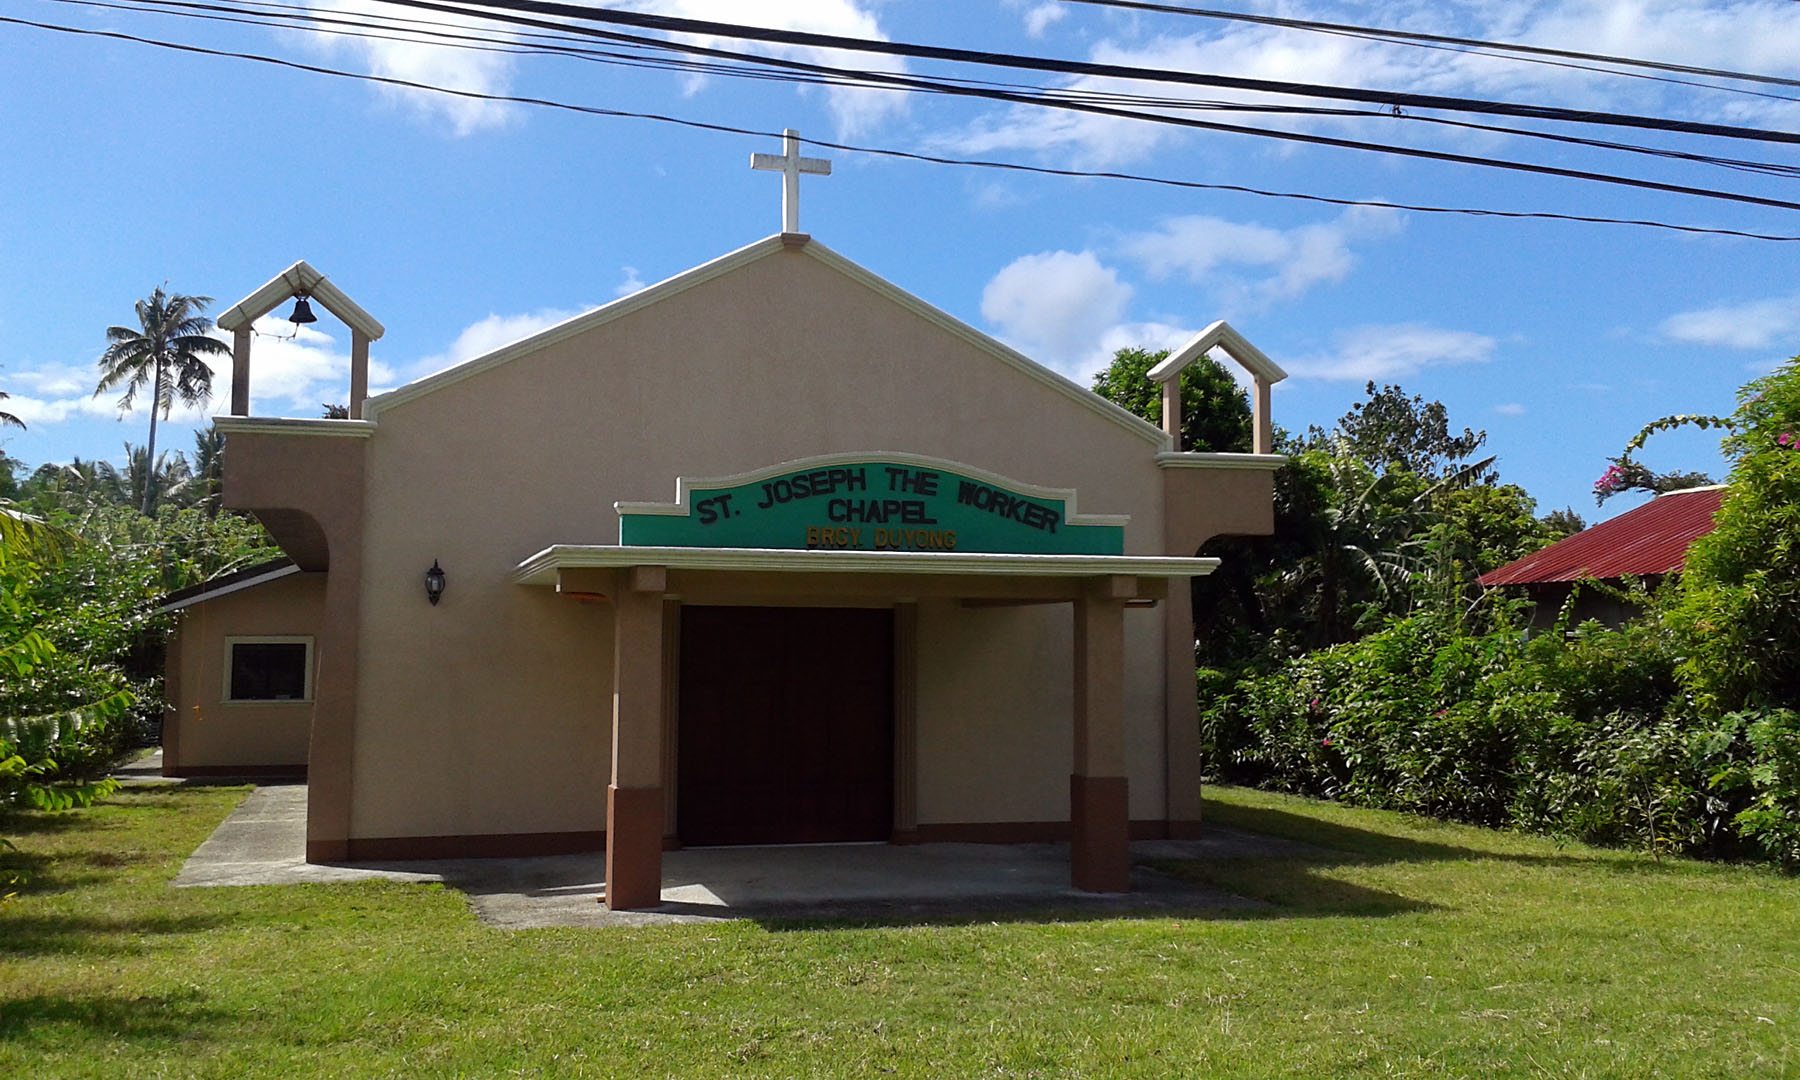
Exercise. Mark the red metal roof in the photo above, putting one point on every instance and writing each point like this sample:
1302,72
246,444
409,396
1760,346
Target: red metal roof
1652,539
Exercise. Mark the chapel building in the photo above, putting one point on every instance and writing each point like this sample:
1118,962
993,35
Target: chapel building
770,552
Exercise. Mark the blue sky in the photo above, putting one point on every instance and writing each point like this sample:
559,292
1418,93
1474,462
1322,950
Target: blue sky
462,225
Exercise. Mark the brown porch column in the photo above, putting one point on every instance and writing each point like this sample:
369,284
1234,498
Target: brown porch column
1100,812
634,800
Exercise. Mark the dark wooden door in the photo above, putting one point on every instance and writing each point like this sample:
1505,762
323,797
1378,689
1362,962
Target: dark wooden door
786,725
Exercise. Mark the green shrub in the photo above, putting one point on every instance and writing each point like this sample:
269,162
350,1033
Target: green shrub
1767,779
1570,734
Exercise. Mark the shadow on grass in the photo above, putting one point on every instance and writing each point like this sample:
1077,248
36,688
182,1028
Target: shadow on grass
39,823
37,873
123,1016
1162,889
1325,842
93,935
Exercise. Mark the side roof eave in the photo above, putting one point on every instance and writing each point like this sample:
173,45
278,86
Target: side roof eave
744,256
247,578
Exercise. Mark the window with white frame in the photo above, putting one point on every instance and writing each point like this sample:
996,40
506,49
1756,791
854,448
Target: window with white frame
268,668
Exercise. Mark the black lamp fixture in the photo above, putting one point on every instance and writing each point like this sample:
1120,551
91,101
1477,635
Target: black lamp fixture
303,313
434,583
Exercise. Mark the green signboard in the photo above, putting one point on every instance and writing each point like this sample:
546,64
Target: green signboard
872,505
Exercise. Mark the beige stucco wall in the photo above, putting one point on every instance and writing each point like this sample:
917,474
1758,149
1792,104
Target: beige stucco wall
490,713
215,733
996,698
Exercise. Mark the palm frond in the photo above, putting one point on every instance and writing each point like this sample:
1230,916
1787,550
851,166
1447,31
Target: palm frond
40,733
24,536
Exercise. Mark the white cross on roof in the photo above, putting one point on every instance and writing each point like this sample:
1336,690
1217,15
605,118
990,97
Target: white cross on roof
790,164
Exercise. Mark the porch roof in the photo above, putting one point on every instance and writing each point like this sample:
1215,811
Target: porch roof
543,567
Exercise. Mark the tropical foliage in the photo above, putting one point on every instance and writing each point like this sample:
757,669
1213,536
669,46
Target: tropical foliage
29,745
86,551
1680,731
1352,655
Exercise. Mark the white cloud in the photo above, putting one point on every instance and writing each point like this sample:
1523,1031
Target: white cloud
480,71
1757,324
475,70
995,195
485,335
629,284
1511,408
856,110
57,381
1756,35
1207,250
37,410
1385,352
1038,17
1056,306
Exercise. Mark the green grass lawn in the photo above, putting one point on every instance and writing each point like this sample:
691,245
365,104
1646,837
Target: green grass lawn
1405,949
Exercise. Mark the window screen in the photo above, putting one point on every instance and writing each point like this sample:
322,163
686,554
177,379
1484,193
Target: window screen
268,671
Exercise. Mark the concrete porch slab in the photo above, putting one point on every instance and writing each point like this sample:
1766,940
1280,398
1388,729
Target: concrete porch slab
263,843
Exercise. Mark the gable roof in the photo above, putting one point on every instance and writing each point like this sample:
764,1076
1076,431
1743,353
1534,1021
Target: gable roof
1219,335
236,581
1652,539
295,280
744,256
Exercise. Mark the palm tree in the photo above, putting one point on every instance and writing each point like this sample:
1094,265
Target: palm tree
164,351
150,485
8,418
209,468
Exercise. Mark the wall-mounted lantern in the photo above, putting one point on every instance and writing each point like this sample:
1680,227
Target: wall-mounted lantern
434,583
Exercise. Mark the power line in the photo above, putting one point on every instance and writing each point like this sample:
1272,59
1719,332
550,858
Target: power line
707,28
1060,98
901,154
1178,121
1490,50
1406,36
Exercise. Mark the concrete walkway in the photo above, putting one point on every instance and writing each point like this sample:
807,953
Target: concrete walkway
262,842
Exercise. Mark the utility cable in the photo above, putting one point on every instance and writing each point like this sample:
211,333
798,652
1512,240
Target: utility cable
1041,96
1190,122
1017,167
707,28
1440,39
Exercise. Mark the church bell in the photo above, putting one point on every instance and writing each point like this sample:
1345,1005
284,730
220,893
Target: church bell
303,312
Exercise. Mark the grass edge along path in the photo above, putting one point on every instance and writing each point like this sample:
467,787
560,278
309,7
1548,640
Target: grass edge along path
1396,947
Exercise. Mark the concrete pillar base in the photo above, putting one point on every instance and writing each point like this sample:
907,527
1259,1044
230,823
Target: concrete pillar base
634,847
1100,837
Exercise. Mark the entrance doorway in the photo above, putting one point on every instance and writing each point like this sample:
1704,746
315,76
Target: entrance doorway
786,725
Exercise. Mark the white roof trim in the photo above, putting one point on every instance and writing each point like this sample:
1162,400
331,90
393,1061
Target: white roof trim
743,256
247,583
1219,335
685,486
1689,491
296,279
277,425
1196,459
541,568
